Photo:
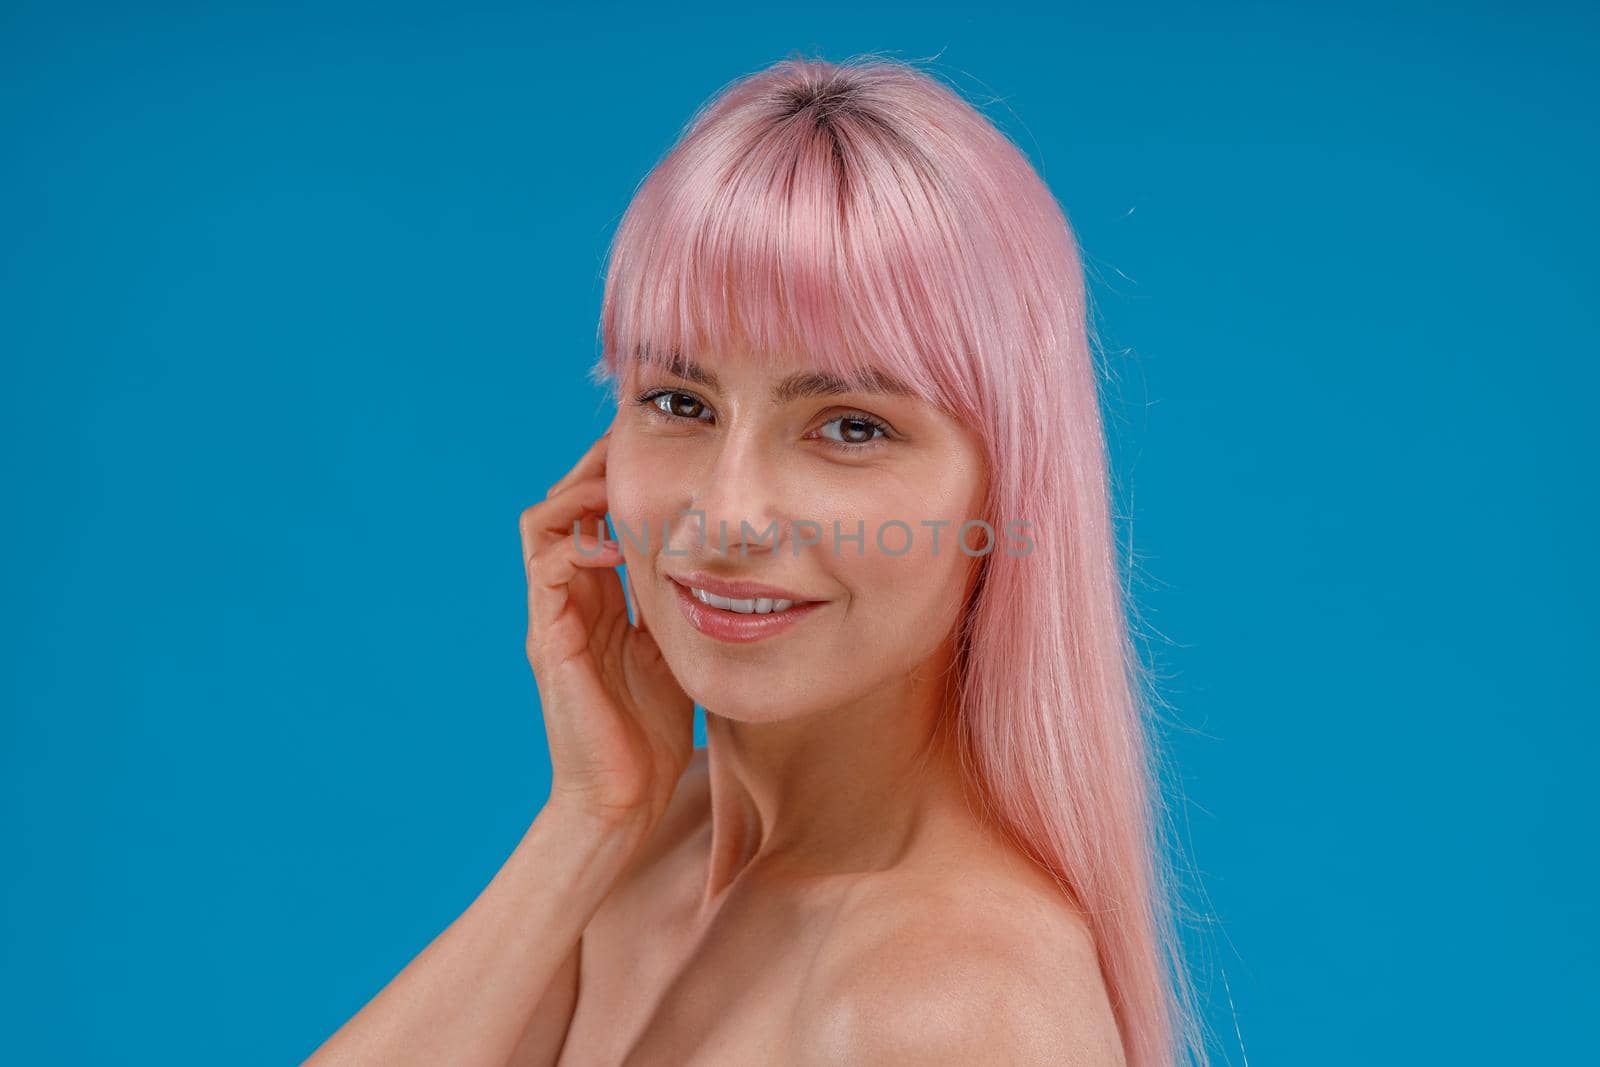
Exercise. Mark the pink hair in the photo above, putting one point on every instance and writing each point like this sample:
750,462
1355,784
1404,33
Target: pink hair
866,215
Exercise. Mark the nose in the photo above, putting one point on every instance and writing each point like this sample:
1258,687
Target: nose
733,501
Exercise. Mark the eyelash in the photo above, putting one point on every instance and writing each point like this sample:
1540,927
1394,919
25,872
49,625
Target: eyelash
648,398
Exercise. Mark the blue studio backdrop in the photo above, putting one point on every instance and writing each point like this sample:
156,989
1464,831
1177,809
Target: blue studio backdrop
296,304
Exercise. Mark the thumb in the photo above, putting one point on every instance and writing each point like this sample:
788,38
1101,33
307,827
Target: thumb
633,599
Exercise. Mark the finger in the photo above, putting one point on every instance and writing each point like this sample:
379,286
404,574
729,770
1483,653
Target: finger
542,523
591,463
615,596
553,569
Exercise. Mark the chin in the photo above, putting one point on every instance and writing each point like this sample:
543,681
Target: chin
744,699
745,692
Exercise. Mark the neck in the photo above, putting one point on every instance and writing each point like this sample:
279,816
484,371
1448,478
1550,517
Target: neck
838,790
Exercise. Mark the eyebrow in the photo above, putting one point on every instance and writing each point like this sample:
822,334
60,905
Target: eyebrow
801,385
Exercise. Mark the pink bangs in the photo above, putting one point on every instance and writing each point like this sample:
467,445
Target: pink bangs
797,226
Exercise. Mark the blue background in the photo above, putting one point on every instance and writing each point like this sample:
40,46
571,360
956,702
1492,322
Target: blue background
295,309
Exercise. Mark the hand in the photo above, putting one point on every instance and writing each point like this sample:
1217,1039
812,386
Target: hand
620,727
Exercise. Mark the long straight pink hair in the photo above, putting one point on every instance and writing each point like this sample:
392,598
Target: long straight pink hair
865,214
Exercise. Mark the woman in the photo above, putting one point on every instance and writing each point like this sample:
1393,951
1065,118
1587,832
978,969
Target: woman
845,319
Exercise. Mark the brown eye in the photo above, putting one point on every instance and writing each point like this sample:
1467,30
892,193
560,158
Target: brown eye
851,430
683,405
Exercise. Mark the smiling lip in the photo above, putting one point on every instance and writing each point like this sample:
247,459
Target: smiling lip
735,590
737,627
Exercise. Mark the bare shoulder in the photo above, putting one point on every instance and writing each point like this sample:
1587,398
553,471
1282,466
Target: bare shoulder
991,965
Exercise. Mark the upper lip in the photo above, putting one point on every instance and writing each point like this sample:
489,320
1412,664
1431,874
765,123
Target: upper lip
736,590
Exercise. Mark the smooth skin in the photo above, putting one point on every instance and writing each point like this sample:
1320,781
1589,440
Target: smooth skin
814,886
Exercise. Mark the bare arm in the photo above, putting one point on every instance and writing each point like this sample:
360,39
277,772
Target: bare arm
541,1043
469,996
501,980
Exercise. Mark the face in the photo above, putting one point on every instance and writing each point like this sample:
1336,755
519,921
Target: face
733,476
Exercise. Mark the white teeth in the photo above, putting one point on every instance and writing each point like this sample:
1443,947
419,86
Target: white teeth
755,606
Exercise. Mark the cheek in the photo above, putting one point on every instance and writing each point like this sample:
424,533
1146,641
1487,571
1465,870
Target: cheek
909,576
903,608
635,499
912,584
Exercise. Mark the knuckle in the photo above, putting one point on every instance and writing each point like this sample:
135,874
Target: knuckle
550,565
539,566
